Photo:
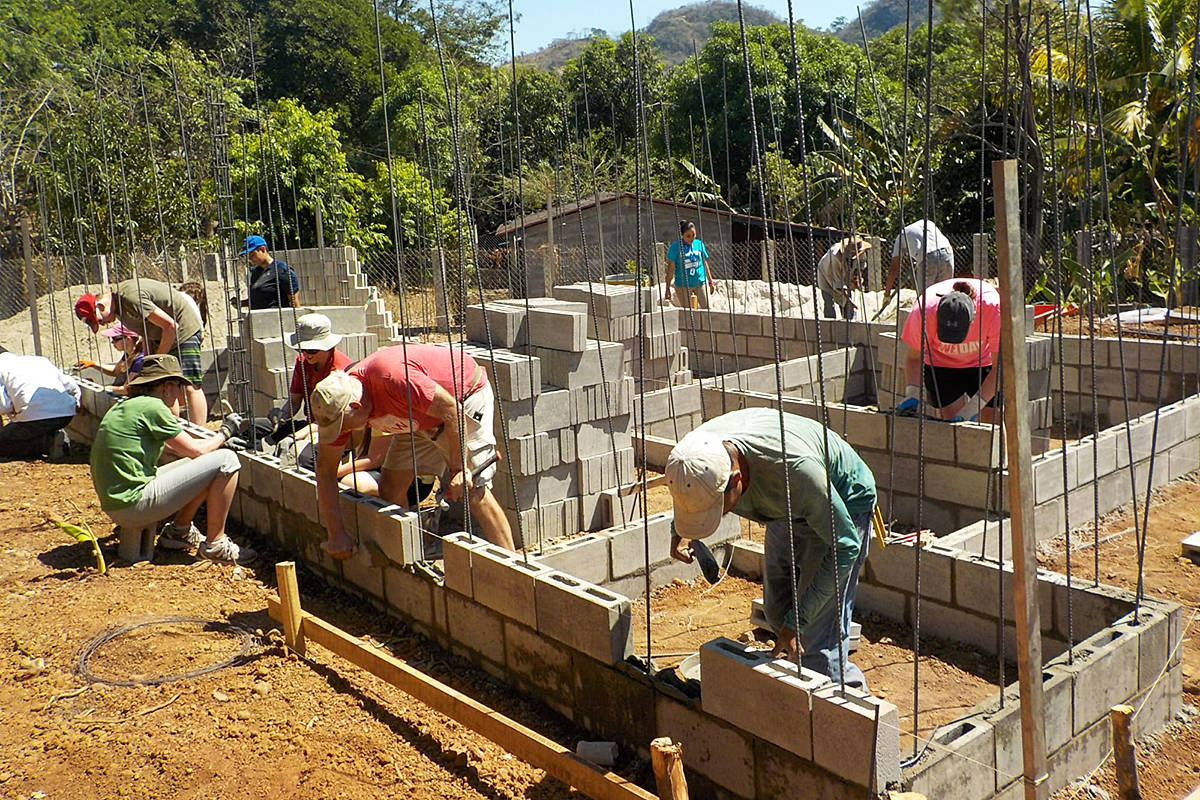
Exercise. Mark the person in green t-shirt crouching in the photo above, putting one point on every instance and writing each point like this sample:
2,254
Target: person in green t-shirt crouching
136,493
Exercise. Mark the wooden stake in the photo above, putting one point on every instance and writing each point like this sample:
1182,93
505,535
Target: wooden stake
289,596
667,759
1014,360
524,743
1124,753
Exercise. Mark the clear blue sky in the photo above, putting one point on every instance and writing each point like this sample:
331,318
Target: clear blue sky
542,21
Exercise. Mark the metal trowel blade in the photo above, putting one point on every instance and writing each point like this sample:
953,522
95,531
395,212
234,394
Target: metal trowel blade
706,560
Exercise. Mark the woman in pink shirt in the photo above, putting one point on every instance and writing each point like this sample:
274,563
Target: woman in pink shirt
962,337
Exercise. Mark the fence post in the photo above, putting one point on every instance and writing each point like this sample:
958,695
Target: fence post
875,264
979,255
437,264
662,267
766,256
31,286
1189,291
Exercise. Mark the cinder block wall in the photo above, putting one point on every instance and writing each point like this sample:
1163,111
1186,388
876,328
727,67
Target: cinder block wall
1117,658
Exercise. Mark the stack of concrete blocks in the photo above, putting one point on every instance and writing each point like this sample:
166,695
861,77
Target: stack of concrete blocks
655,359
334,277
1115,660
726,342
566,426
893,354
271,360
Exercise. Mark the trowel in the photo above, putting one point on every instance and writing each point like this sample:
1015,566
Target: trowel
708,563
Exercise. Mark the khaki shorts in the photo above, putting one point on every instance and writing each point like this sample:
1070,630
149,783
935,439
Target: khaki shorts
432,446
683,296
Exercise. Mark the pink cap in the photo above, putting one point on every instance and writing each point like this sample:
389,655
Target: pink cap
119,331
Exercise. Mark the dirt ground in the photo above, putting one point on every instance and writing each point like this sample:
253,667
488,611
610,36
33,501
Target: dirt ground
273,726
1168,765
954,678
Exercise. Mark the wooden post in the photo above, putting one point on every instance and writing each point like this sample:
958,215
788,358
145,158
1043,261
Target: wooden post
979,255
875,265
1014,362
441,310
1124,753
667,759
289,596
31,286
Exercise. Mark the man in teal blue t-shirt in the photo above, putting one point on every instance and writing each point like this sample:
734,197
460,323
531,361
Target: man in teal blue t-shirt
691,278
736,463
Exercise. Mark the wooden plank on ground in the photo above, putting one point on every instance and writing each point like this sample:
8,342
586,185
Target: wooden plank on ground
524,743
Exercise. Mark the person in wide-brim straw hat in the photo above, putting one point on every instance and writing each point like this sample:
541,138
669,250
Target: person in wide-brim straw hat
839,275
318,356
137,494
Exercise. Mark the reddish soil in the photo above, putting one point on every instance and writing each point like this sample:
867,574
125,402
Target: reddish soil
1168,766
273,726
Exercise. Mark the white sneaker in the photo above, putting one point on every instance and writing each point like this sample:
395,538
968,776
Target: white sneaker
60,446
174,538
226,551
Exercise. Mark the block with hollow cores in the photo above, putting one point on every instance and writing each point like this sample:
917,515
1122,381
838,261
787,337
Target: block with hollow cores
604,300
600,472
573,370
611,399
619,506
612,330
458,551
506,324
360,572
627,544
593,512
1105,674
549,485
556,329
958,763
584,616
602,436
397,532
504,582
264,477
585,557
513,376
475,627
754,692
545,664
1159,705
894,566
711,748
299,491
529,455
544,523
409,592
857,736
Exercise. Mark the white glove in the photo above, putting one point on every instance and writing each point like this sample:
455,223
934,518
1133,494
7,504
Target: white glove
971,407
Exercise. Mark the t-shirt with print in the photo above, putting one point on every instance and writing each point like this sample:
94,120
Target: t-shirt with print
137,298
305,376
983,338
269,285
918,237
128,444
690,269
404,377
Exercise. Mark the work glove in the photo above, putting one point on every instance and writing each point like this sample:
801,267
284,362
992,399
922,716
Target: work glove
232,425
85,364
971,407
912,400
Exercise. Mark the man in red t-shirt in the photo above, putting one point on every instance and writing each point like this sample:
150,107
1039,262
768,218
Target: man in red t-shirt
419,393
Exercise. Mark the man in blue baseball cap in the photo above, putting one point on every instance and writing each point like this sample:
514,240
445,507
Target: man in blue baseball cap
272,283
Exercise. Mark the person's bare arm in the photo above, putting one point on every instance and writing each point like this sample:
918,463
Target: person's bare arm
446,408
166,323
328,457
188,446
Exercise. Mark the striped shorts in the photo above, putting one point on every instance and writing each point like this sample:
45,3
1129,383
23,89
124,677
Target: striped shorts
189,359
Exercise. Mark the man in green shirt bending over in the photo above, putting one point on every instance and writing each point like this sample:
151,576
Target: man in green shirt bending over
735,463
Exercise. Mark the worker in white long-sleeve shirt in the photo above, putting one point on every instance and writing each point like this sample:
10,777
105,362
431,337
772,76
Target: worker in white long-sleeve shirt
40,401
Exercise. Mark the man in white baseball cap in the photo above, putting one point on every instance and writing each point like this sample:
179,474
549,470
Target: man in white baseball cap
439,405
737,463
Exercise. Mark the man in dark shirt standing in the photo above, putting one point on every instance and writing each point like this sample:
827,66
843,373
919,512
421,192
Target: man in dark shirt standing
272,283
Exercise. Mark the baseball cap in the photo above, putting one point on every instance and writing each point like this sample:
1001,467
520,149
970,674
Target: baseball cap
85,309
330,399
119,331
698,471
253,242
955,311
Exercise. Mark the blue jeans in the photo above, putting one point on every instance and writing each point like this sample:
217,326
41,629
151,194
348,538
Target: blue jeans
821,635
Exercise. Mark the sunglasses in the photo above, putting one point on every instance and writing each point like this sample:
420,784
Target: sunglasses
311,352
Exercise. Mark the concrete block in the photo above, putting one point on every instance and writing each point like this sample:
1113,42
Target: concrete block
528,455
601,472
513,376
409,593
397,532
504,582
1105,674
585,558
605,300
616,703
957,764
542,663
747,559
627,544
299,491
617,508
264,477
359,571
549,411
752,691
507,325
859,736
590,619
1080,755
474,626
720,753
779,773
602,436
554,483
458,551
894,567
1158,705
557,330
572,370
887,603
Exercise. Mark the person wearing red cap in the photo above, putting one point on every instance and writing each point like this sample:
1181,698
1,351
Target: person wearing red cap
961,333
169,322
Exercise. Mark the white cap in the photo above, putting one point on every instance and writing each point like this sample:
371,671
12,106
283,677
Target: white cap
330,399
698,471
313,332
